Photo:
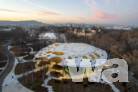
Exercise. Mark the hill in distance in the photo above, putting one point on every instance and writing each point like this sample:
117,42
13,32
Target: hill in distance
32,22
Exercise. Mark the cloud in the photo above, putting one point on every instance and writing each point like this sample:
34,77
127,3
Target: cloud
33,12
97,13
30,11
104,15
40,6
39,12
7,10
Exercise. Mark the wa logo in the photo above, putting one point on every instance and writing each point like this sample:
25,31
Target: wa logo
99,72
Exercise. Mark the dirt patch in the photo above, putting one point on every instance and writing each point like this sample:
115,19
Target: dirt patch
20,50
56,74
34,81
57,67
43,63
24,67
69,86
126,87
29,57
3,64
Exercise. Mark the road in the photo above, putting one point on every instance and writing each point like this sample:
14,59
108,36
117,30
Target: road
8,67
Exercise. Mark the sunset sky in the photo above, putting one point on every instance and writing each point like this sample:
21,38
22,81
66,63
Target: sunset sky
77,11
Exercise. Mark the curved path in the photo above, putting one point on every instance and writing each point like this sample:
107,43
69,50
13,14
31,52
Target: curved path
9,66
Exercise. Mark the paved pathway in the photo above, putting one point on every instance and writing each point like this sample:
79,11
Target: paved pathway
9,66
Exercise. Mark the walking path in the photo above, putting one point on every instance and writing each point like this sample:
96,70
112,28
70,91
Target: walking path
8,67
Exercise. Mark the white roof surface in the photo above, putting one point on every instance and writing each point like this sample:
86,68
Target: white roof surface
47,36
75,50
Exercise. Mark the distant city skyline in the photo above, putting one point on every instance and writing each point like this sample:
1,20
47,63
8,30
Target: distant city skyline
74,11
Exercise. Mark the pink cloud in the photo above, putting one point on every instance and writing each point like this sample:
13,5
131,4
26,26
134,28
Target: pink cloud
103,15
7,10
97,12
